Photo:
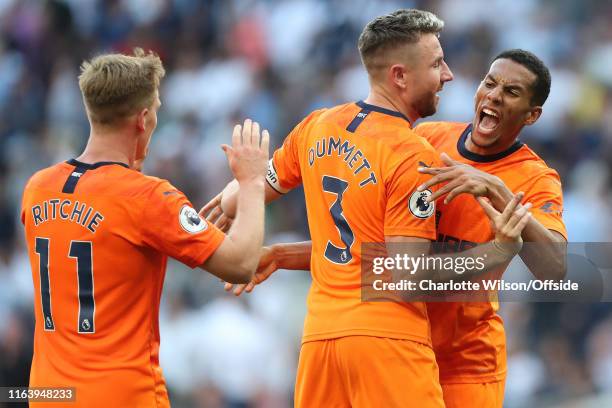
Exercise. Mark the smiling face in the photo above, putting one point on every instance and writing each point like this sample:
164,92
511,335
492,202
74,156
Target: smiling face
503,105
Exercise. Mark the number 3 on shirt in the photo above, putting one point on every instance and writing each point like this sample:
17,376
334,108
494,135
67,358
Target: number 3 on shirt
333,253
82,252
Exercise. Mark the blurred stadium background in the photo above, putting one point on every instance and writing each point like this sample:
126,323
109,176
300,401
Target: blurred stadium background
275,61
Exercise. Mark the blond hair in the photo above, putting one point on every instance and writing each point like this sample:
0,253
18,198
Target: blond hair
404,26
115,86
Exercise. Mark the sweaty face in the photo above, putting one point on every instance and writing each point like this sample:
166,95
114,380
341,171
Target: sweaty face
429,72
502,106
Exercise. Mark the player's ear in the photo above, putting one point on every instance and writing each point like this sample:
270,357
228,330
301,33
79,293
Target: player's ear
397,74
533,115
141,119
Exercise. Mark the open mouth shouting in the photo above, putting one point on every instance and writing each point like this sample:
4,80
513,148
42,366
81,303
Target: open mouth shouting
488,120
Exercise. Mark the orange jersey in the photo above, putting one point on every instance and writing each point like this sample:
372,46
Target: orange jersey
469,338
98,239
358,164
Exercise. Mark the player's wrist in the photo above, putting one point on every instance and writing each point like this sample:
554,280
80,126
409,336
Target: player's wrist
498,193
276,253
254,181
507,248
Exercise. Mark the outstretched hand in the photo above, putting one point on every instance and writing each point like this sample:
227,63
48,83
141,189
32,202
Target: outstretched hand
249,152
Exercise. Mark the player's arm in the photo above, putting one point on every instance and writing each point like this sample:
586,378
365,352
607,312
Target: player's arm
546,260
508,226
291,256
545,253
236,258
275,183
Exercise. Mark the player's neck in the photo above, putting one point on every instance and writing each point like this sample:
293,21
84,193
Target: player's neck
107,147
380,98
486,150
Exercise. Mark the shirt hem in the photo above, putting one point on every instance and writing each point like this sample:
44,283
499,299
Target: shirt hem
366,332
216,242
410,233
473,379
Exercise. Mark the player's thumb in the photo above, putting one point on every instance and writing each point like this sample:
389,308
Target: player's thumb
227,150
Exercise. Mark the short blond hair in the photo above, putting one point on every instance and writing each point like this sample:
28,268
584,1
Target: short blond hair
404,26
115,86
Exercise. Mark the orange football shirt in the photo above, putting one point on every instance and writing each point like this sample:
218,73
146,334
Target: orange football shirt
358,165
468,337
99,236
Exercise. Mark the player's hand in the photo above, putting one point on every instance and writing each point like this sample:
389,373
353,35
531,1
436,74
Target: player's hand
267,265
509,224
249,152
459,178
214,214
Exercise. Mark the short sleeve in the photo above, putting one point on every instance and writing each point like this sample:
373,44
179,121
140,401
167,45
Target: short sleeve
172,226
284,172
407,213
546,197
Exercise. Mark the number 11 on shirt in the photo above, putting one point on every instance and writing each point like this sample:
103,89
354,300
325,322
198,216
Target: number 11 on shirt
83,253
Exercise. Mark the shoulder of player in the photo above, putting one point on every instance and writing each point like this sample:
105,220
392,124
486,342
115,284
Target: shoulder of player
408,140
401,144
154,186
310,119
126,182
532,162
429,129
317,115
51,173
409,151
530,171
346,110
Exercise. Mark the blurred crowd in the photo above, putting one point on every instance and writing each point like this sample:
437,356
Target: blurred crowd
275,61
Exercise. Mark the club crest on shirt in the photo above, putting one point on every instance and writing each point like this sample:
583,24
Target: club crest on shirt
191,221
418,206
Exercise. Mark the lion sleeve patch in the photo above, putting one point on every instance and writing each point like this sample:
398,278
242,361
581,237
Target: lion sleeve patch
418,205
191,221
